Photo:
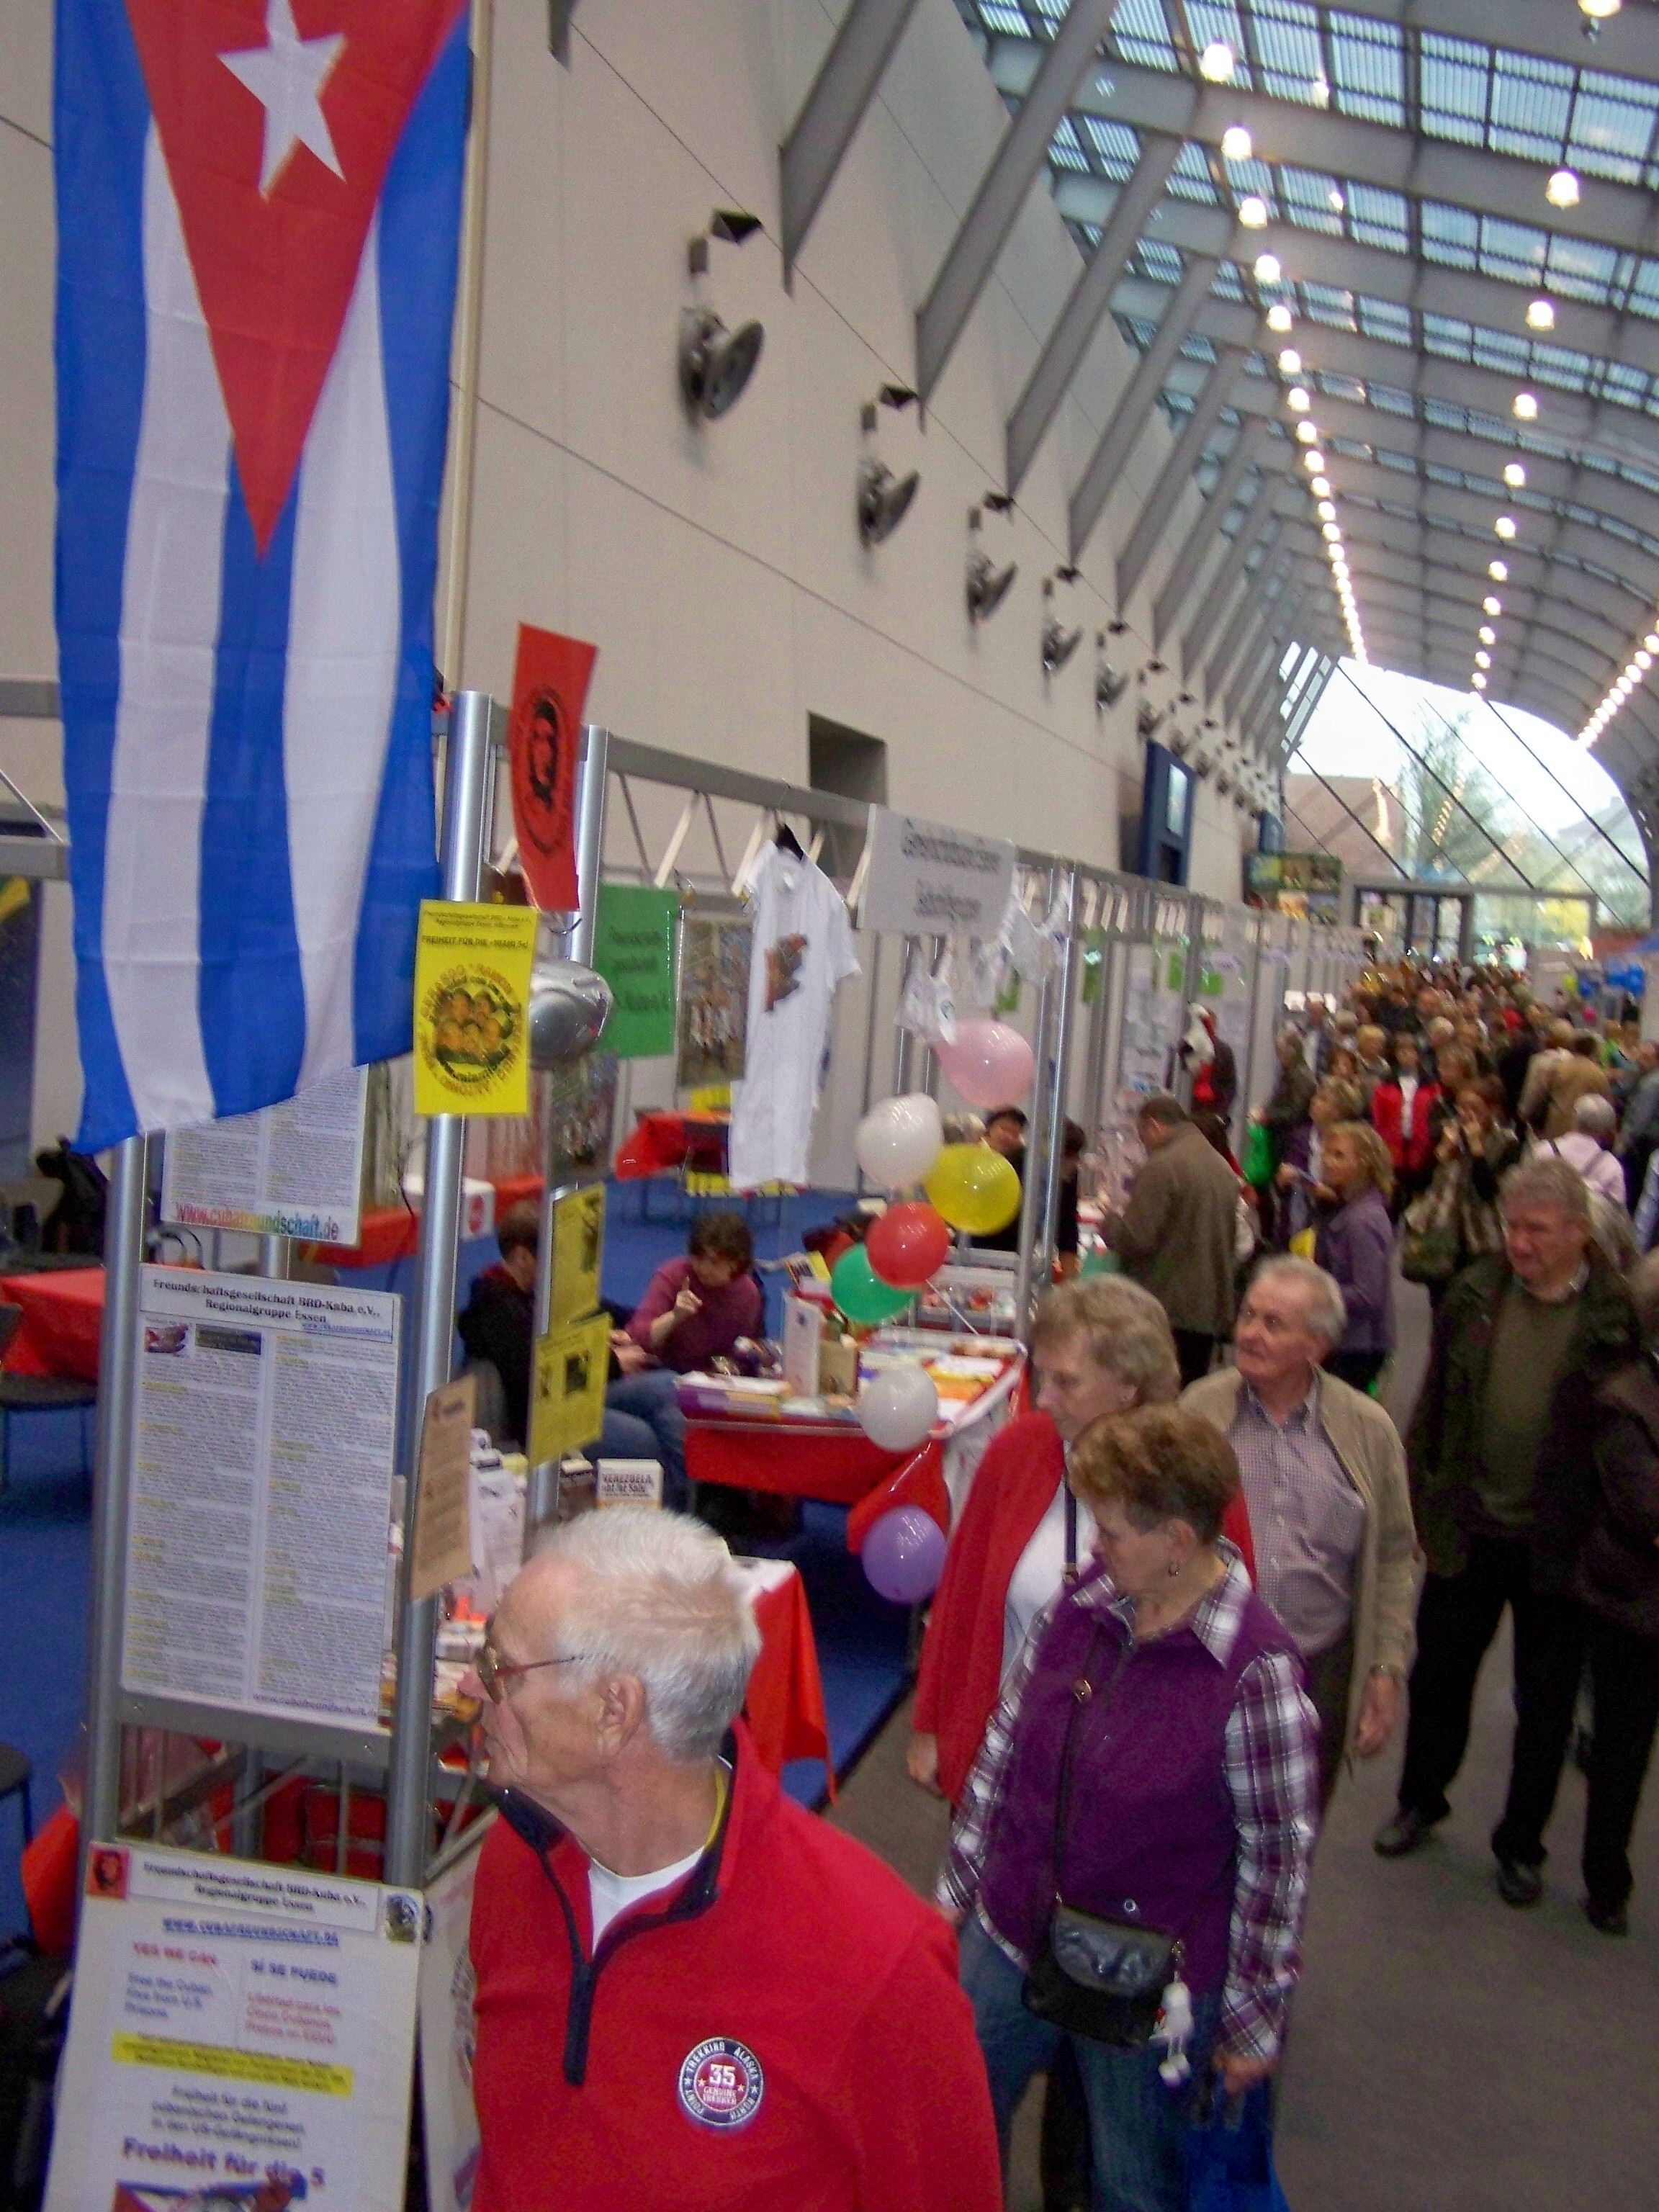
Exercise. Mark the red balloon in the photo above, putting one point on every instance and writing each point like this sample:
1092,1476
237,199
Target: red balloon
907,1245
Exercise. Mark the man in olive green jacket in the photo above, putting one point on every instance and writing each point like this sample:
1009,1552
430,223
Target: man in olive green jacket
1177,1235
1324,1476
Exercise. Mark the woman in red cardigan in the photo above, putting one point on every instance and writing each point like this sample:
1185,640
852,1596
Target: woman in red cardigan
1402,1115
1098,1348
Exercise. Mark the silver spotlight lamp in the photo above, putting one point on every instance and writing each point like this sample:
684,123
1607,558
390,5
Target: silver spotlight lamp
1148,718
715,364
884,497
986,584
1059,643
1111,683
569,1007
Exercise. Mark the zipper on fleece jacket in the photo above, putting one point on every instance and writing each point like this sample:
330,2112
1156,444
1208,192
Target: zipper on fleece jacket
696,1895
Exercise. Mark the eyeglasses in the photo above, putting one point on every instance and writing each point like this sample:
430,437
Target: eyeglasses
492,1670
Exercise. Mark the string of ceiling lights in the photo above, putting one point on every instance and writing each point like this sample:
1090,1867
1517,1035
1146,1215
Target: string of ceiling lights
1216,64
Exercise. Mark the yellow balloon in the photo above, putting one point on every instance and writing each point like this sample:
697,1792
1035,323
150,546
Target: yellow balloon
975,1188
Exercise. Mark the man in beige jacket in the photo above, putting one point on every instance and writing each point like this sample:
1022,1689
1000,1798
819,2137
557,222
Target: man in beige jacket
1176,1235
1324,1470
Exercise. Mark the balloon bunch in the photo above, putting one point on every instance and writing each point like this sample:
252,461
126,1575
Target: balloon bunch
901,1143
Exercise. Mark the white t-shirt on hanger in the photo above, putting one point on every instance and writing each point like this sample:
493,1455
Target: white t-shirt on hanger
803,951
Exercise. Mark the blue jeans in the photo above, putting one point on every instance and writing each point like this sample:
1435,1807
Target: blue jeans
1136,2125
649,1397
624,1436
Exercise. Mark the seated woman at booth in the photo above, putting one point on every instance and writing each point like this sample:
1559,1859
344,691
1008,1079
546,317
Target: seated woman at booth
694,1310
1098,1347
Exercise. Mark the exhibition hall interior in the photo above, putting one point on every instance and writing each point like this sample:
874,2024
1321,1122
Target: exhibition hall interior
828,1134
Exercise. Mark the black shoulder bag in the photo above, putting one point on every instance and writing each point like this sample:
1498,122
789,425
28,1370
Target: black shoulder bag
1101,1979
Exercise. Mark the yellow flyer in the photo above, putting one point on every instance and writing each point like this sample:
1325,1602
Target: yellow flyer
572,1365
578,1250
472,1008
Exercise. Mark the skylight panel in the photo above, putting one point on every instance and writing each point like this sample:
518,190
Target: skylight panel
1452,82
1327,304
1158,261
1190,178
1367,68
1612,127
1064,151
1286,41
1385,319
998,16
1379,218
1514,250
1392,402
1531,106
1117,147
1450,235
1140,34
1306,194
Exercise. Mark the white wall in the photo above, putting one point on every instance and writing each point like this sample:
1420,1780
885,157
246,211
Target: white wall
717,567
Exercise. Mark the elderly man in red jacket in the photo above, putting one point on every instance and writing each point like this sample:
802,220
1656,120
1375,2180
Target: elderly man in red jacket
692,1995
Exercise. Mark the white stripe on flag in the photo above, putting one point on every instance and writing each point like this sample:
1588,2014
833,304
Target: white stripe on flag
345,605
169,631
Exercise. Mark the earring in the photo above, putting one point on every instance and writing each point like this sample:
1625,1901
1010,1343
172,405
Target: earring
1174,1568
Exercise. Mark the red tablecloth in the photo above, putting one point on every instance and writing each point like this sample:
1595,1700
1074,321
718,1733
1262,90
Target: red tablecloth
837,1463
786,1692
63,1322
663,1141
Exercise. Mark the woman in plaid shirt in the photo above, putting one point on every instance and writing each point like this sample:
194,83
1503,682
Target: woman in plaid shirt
1192,1802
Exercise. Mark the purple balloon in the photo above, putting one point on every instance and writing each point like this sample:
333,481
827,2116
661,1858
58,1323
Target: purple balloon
904,1554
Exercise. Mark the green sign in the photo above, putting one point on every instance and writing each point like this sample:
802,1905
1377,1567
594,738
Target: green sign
1094,954
633,943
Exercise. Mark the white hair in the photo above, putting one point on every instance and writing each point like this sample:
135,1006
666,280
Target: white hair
1327,1311
1597,1116
658,1597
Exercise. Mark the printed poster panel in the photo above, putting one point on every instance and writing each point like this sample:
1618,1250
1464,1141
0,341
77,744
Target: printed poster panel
449,2035
472,1008
1143,1052
714,956
291,1170
241,2035
259,1565
925,879
634,950
580,1114
578,1253
573,1365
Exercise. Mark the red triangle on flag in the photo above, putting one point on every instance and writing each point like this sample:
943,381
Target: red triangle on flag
274,268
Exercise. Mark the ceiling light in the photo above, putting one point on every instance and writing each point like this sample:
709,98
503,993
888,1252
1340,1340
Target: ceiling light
1217,62
1643,659
1540,315
1253,211
1483,660
1331,533
1489,605
1632,674
1328,510
1498,571
1479,681
1321,487
1297,398
1487,633
1319,91
1267,270
1562,189
1526,407
1504,527
1290,361
1236,143
1279,317
1598,10
1313,459
1335,201
1513,475
1307,433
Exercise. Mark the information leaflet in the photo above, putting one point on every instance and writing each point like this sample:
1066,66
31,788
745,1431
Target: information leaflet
293,1171
258,1554
449,2033
241,2035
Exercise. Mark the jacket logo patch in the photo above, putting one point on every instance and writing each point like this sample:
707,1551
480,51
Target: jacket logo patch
721,2083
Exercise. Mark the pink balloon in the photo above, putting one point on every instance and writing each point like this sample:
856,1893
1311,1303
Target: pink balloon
988,1064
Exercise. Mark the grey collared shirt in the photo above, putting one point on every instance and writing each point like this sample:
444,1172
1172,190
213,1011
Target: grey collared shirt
1307,1520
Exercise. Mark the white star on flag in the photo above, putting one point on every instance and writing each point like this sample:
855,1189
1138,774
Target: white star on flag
286,75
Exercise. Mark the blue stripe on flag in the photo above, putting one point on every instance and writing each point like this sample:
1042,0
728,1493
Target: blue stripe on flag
101,119
251,995
420,233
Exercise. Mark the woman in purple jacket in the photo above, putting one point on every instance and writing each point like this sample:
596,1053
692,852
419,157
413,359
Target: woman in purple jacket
1153,1762
1356,1245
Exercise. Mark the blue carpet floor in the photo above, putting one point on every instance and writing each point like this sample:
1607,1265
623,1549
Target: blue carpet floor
46,1541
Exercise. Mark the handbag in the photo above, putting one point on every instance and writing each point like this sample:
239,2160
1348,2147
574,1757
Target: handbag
1097,1978
1229,2157
1431,1248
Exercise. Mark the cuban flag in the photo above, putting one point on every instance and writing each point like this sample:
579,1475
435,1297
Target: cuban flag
258,207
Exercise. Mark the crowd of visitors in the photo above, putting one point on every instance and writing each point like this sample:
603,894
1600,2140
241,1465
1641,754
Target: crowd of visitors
1180,1596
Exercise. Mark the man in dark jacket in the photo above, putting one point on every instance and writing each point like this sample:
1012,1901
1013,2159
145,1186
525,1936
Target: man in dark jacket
500,1320
1177,1234
1504,1491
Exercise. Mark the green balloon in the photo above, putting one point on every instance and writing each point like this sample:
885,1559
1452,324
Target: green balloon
860,1292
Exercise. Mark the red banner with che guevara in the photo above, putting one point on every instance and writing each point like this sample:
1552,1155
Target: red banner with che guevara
549,684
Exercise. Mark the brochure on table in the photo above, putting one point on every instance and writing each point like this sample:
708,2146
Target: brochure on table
241,2035
258,1540
293,1171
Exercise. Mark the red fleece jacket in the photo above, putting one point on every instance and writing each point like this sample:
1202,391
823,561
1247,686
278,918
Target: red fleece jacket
783,2029
962,1656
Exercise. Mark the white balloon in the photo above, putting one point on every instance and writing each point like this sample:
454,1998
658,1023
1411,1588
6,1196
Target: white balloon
897,1407
899,1140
